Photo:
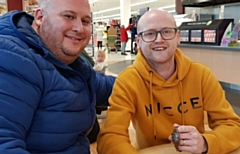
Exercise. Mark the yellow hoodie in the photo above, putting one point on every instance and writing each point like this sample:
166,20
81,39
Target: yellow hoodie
154,104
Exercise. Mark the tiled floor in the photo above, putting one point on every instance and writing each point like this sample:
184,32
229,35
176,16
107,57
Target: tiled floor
117,62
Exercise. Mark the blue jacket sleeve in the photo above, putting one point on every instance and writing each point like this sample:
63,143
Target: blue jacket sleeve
19,98
104,85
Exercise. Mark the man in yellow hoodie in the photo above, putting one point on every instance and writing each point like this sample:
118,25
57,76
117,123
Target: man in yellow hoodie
167,89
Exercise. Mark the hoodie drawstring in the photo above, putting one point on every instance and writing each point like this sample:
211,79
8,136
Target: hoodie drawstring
151,102
182,103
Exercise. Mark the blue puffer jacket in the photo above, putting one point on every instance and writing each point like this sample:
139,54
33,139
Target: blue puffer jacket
45,105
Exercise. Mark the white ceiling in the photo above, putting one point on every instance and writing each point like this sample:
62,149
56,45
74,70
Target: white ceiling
2,1
107,4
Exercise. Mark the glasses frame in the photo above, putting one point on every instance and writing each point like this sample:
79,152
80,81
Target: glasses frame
156,33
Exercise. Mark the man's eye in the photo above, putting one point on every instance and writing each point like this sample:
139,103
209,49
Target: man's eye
149,33
86,22
69,17
167,31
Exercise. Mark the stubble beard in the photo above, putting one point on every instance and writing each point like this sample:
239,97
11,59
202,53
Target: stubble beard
47,33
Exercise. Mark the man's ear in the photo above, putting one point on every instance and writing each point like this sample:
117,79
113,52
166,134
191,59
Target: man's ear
178,37
137,41
38,17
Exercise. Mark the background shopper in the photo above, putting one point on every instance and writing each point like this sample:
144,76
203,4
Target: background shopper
100,35
133,36
124,38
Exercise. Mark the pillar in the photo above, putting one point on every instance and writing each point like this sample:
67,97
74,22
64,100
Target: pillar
179,7
125,12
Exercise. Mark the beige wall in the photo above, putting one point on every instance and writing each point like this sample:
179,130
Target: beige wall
225,64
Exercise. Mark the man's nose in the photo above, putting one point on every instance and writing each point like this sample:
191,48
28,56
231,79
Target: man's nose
159,37
77,26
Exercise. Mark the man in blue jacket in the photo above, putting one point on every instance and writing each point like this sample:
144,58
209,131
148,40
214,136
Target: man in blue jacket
47,91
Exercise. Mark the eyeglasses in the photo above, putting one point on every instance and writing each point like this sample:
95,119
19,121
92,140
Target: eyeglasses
151,35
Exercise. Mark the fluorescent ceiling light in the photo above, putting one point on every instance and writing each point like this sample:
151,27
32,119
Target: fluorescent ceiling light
133,12
167,7
106,20
118,8
114,15
107,10
118,15
103,17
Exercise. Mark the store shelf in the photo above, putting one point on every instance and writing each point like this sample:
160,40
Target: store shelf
3,9
118,41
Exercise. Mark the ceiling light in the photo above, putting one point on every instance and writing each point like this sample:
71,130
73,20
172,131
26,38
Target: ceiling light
107,10
114,15
118,8
167,7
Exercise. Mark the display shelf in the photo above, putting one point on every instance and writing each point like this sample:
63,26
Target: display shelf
118,41
30,6
3,9
203,32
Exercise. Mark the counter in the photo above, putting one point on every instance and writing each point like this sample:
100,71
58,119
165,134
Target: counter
169,149
223,61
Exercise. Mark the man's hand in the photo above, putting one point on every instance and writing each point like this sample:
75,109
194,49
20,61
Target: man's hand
190,139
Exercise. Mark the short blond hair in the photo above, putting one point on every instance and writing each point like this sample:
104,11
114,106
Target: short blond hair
100,52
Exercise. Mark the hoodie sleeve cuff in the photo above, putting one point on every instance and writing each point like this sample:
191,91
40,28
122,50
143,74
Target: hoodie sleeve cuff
211,141
205,142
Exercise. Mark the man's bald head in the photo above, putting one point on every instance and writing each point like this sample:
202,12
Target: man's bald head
159,15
